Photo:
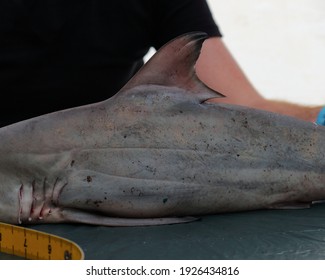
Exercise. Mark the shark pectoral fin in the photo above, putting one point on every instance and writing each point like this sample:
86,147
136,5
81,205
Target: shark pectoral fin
291,206
76,216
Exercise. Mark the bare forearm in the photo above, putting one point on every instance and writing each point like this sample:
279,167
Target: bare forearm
218,69
307,113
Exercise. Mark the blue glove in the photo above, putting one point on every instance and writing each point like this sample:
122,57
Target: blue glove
321,117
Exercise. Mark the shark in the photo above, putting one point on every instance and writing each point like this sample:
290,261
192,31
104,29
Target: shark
162,150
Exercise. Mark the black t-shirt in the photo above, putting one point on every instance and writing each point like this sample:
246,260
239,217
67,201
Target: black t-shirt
60,54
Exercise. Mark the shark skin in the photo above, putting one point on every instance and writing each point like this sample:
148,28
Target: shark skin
158,152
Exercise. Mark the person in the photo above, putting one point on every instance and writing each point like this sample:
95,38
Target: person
224,74
60,54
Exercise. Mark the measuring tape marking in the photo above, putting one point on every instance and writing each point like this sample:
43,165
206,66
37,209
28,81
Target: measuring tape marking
33,244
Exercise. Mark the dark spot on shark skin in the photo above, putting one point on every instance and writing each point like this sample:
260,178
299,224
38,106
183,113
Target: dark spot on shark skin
137,192
72,163
165,200
151,169
98,202
89,179
245,123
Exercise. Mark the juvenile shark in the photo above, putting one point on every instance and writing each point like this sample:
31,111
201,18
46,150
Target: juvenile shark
158,152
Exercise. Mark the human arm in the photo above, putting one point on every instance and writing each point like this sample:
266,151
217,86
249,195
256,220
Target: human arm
218,69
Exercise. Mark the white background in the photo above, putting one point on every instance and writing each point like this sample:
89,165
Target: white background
248,270
280,45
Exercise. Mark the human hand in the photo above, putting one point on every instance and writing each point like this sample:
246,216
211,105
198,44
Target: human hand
321,117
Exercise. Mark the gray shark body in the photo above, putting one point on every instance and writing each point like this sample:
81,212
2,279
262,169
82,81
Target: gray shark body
158,152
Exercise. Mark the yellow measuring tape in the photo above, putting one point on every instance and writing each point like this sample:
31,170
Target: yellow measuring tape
37,245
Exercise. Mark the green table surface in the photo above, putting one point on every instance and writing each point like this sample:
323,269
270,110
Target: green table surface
255,235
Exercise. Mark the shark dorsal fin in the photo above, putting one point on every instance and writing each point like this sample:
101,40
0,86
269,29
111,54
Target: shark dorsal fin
173,65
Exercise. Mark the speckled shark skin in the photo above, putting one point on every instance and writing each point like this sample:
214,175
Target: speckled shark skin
158,152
